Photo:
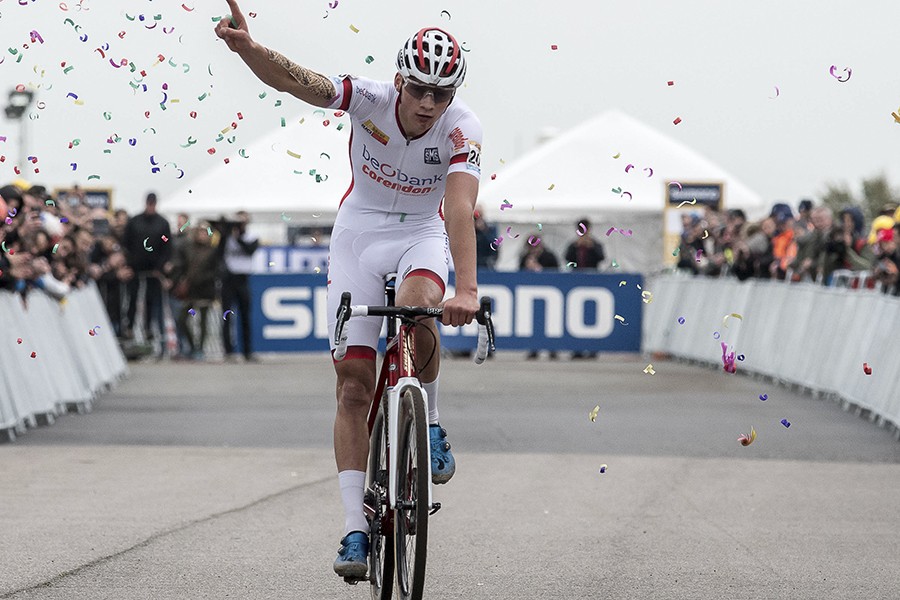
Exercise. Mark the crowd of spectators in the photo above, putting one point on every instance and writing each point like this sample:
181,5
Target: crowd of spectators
58,246
812,245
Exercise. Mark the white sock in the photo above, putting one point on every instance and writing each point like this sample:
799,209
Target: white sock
432,390
353,484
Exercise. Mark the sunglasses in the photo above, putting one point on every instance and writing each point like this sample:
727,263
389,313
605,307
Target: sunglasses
419,92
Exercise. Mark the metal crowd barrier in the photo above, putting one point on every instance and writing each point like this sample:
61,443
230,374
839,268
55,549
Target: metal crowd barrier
50,363
804,335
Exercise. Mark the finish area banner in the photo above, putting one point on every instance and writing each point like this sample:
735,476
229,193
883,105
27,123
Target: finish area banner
531,311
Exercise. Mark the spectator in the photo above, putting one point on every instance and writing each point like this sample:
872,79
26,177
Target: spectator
200,262
485,234
236,250
783,250
690,250
807,264
887,264
112,273
803,214
753,256
585,251
147,256
537,258
178,284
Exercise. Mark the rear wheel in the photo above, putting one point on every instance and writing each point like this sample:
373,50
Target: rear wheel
381,538
411,514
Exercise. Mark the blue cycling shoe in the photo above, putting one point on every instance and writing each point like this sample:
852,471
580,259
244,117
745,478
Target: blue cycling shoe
443,465
353,555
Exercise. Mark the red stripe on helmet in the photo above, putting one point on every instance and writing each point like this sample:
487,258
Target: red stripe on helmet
453,57
421,53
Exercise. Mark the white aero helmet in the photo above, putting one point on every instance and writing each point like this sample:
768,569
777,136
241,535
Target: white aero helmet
434,57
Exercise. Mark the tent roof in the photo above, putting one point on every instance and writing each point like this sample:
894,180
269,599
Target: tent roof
579,164
267,180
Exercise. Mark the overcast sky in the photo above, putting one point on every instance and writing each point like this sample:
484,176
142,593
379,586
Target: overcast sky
725,58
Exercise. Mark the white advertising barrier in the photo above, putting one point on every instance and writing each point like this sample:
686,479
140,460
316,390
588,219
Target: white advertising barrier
58,365
801,334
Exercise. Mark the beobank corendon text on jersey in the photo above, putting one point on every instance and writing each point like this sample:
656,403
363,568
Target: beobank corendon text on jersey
396,179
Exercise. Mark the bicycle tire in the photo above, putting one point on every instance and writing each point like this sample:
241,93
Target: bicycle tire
411,516
381,538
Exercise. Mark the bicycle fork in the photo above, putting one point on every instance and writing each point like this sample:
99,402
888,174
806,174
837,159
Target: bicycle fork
404,384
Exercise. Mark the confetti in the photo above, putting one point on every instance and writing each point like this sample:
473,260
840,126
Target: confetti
192,312
617,190
867,369
603,469
582,229
676,183
18,340
649,169
740,357
146,247
699,254
649,369
670,83
628,167
571,265
621,319
225,314
777,93
615,265
370,59
552,185
554,47
647,297
847,70
533,240
745,439
617,155
735,315
444,12
763,397
165,239
691,202
354,29
34,355
677,120
681,320
785,422
506,204
728,360
593,413
716,335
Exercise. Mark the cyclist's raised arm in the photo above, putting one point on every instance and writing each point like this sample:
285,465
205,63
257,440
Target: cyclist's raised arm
270,66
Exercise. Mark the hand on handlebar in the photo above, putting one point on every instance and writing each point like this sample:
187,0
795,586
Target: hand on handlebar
460,309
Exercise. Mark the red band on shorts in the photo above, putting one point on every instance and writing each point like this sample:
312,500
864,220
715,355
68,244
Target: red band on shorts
357,352
430,275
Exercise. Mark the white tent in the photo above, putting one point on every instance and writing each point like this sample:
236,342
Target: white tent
574,175
271,178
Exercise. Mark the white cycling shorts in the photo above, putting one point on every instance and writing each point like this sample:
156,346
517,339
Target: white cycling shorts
359,261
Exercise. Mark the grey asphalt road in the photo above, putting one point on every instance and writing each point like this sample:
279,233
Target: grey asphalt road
217,481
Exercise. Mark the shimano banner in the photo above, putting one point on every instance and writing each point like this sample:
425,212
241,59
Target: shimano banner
532,311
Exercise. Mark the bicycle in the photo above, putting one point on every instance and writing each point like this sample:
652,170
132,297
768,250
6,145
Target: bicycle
398,498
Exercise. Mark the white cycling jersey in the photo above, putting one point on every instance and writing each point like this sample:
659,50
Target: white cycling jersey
396,179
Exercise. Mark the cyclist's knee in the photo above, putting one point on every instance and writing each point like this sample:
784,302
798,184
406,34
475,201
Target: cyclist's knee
354,394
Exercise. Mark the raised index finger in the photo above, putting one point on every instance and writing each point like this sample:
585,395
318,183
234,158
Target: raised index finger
236,15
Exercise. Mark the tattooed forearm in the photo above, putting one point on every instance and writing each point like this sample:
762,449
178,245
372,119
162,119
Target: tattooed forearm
318,85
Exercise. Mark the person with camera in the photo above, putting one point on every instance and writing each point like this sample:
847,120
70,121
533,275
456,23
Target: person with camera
236,250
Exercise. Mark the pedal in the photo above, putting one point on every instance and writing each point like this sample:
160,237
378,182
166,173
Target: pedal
436,506
355,580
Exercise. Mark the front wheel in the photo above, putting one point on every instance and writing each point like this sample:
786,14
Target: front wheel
411,514
381,539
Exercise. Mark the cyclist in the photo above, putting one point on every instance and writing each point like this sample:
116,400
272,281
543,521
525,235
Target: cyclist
412,145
